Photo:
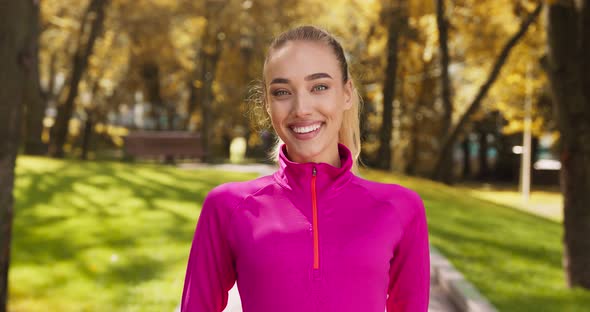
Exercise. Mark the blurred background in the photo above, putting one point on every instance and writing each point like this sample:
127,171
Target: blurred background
118,116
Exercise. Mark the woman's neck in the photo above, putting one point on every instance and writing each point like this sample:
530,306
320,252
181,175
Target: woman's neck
330,156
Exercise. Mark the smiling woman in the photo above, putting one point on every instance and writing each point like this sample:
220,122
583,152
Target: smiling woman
306,99
312,236
310,97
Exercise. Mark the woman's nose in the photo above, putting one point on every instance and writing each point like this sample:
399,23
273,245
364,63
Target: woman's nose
302,106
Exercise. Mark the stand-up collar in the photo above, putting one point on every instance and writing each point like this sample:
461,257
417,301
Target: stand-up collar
297,176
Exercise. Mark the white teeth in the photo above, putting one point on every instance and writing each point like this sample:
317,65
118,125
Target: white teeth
306,129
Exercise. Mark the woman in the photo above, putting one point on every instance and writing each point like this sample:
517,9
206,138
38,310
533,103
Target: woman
313,236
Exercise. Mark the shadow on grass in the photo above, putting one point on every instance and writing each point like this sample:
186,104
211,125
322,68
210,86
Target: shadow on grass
108,226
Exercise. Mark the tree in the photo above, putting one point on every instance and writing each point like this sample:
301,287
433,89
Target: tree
17,30
227,55
397,18
91,27
424,93
34,101
568,41
443,38
212,42
441,172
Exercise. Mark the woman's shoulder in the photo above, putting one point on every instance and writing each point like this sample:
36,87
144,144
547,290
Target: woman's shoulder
403,198
387,191
231,193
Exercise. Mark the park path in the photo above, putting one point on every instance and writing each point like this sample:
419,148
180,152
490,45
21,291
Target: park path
439,301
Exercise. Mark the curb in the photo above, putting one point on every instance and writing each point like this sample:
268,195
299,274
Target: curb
462,293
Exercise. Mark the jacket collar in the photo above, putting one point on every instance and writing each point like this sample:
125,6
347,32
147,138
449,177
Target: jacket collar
297,176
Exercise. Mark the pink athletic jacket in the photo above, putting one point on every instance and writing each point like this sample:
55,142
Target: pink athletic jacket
310,237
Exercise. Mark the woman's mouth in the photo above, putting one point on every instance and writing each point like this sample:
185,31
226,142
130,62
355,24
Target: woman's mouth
306,132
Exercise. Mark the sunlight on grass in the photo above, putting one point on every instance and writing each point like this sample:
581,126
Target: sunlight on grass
544,203
103,236
512,257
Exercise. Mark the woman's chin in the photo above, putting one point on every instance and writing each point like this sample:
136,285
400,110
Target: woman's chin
304,152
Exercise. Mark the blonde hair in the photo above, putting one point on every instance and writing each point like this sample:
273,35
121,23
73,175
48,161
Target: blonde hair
349,133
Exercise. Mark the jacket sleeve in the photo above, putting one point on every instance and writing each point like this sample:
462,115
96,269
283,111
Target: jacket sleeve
409,273
210,272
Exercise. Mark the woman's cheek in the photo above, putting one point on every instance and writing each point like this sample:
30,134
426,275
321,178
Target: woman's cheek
277,116
281,109
332,106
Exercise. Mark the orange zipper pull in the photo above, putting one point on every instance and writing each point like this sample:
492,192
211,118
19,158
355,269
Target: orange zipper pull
316,253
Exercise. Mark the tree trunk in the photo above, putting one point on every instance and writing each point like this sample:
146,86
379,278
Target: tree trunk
34,102
393,31
208,69
17,23
568,38
366,158
413,148
534,150
150,73
194,95
483,154
466,158
96,11
87,133
443,166
443,39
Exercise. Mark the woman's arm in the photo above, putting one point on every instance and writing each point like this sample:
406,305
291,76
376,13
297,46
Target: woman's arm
409,283
210,272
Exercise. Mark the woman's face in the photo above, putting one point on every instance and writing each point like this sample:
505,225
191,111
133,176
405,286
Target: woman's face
306,99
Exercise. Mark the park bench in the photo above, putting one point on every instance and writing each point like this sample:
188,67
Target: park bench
170,145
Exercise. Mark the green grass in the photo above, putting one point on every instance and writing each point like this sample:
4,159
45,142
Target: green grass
103,236
546,202
513,257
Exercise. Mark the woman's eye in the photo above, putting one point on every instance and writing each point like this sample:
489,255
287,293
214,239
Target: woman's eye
280,92
320,88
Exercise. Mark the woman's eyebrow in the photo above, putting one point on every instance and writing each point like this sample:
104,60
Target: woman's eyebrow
317,76
307,78
279,80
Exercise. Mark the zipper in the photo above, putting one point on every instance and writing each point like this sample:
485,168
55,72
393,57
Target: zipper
316,253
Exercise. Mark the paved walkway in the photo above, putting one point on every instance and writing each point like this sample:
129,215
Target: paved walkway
438,299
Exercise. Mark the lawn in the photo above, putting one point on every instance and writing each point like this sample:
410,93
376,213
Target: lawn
546,202
103,236
511,256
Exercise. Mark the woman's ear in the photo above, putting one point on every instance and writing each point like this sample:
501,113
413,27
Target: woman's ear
348,94
265,100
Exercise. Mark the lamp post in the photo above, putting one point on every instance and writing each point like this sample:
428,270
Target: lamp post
525,174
